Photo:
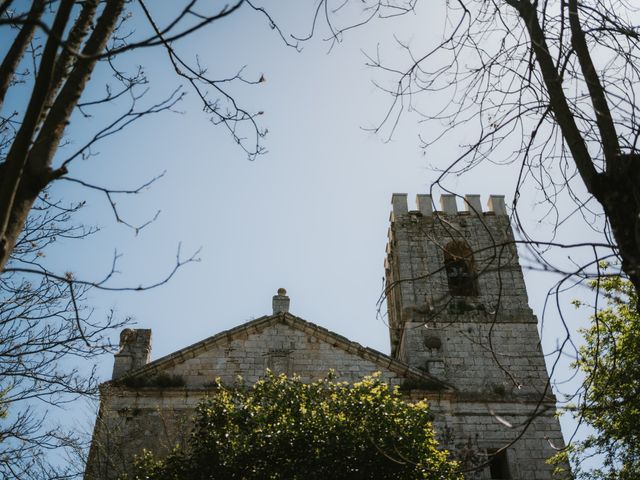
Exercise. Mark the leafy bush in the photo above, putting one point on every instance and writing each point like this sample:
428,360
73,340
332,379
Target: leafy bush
282,428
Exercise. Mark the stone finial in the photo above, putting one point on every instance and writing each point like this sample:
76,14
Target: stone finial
134,352
399,203
473,204
424,204
280,302
496,204
448,204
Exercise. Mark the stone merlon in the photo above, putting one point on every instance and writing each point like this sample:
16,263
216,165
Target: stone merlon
448,205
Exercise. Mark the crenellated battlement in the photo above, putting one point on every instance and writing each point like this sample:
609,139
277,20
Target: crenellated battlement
441,263
448,205
456,297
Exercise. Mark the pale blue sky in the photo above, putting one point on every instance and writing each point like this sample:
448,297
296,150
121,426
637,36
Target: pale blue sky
311,215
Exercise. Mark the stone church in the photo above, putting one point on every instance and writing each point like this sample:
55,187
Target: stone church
462,336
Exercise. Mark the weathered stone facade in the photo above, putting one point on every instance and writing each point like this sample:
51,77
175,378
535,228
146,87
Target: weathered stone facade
462,336
458,309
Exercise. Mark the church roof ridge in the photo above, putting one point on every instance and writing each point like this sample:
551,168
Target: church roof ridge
335,339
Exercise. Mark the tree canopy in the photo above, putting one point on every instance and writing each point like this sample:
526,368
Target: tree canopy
282,428
611,399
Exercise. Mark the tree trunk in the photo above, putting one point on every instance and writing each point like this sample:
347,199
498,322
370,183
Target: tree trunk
617,188
27,170
618,192
18,47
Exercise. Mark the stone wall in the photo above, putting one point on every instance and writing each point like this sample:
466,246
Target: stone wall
131,420
484,342
473,427
283,349
417,284
156,419
478,356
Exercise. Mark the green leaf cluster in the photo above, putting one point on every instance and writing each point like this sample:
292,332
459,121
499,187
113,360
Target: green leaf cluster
283,428
610,360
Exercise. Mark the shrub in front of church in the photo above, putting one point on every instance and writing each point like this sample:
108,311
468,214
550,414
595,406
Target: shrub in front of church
282,428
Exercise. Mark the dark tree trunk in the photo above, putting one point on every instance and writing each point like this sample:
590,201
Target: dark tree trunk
618,191
27,170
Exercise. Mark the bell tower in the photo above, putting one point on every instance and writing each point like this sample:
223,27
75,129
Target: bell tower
458,309
456,297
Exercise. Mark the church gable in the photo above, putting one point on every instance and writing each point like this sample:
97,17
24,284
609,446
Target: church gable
282,343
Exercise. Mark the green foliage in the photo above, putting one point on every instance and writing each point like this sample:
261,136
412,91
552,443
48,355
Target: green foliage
282,428
611,361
